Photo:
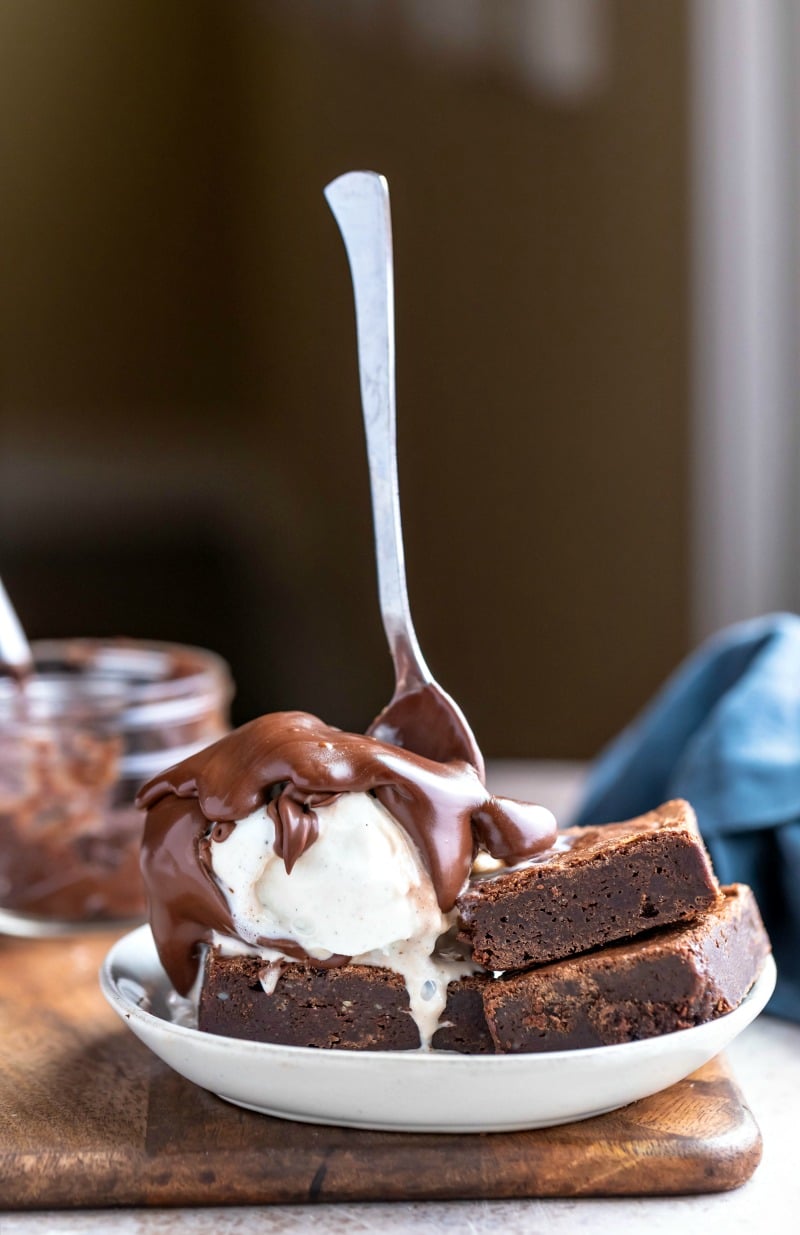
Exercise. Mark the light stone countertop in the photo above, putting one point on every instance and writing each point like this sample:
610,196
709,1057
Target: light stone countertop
765,1061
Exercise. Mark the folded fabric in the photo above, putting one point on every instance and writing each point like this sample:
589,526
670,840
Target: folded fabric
724,733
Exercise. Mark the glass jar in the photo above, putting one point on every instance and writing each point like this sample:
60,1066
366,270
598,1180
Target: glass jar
97,719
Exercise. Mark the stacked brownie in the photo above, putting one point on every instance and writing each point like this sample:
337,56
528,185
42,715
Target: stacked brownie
617,933
672,978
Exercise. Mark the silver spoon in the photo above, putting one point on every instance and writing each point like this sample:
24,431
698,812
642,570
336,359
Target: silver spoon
15,653
421,717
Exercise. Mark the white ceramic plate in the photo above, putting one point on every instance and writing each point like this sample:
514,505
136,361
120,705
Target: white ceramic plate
409,1091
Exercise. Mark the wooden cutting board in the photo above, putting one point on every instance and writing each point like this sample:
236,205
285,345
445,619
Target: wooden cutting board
89,1117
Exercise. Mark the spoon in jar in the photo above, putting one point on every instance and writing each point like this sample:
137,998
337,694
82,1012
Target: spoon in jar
421,716
16,658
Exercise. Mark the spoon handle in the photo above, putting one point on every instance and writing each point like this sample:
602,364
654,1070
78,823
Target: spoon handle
15,652
359,202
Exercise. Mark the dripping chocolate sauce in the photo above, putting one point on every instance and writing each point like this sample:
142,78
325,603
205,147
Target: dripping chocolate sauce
292,763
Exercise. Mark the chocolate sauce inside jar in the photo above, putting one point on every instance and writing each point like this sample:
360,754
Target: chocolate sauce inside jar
290,763
77,738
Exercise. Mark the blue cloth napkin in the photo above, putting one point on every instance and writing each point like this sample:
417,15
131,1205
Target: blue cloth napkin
724,733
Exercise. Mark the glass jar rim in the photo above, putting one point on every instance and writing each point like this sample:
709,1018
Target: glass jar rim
143,681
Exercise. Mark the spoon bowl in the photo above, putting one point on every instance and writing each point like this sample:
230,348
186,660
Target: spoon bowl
426,720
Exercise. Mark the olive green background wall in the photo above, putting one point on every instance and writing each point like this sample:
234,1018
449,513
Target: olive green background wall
181,452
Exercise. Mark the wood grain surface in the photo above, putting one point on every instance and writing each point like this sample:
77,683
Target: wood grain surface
89,1117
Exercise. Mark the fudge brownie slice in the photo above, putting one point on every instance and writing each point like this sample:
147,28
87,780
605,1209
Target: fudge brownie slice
356,1007
670,979
352,1007
595,886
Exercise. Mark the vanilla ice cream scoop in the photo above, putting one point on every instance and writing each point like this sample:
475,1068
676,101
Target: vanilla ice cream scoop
361,886
360,891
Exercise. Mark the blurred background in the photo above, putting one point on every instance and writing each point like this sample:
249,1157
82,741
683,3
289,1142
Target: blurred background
595,207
